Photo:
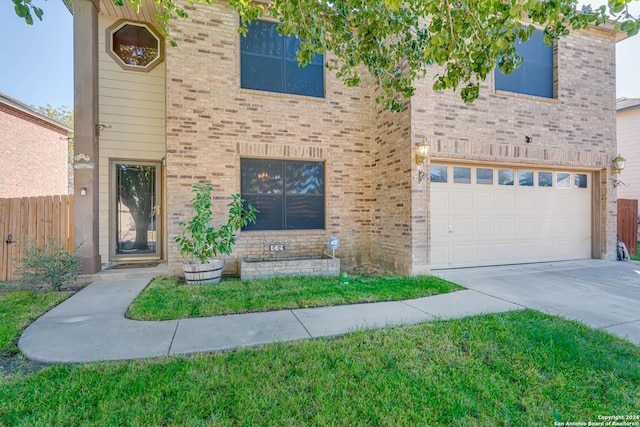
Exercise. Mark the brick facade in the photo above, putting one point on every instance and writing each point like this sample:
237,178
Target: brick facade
373,200
33,154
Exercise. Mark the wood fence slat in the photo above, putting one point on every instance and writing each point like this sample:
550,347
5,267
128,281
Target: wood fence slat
32,220
70,225
628,224
55,217
16,236
48,216
4,227
40,236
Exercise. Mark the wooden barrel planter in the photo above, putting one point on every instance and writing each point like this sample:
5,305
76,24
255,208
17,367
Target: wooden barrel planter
206,273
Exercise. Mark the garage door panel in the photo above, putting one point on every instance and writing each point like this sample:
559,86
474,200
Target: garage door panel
526,227
505,251
490,224
563,227
563,203
525,251
505,203
462,201
544,227
525,201
544,250
483,204
440,254
581,226
461,228
564,249
483,229
505,228
484,252
439,229
462,254
440,199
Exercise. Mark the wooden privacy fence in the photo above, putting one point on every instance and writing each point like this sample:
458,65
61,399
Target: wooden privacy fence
32,220
628,224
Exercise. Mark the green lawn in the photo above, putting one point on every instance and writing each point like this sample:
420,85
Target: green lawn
18,309
168,298
637,256
513,369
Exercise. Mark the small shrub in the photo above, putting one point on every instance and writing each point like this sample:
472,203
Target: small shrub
51,264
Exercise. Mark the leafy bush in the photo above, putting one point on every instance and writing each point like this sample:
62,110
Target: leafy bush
51,264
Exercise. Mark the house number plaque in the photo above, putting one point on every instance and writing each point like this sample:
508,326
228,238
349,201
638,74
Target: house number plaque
276,247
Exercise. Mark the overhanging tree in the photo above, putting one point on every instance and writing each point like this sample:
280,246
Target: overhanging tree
398,41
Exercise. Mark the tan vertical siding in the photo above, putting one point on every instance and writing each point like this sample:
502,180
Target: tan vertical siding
628,123
132,105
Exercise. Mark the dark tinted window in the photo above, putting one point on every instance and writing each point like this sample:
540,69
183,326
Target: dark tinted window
289,194
484,176
438,173
535,75
135,45
545,179
505,177
525,178
268,62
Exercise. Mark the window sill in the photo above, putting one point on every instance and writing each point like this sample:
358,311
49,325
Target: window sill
507,94
283,96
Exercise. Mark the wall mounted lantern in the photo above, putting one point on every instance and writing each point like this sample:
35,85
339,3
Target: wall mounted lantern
422,153
617,166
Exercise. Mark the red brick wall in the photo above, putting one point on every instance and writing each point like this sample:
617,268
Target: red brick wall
33,156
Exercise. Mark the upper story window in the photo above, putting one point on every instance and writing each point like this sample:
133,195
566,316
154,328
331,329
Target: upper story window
268,62
134,46
288,193
535,75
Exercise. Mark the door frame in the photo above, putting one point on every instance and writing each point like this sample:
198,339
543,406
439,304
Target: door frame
113,256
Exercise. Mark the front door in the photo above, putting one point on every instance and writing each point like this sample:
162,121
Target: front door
135,210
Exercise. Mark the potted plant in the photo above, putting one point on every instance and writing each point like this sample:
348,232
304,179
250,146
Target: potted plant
201,241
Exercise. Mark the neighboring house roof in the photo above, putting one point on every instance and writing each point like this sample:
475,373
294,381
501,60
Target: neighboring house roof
24,108
627,103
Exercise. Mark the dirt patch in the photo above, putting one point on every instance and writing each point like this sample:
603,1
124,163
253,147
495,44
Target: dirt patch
8,287
367,270
17,363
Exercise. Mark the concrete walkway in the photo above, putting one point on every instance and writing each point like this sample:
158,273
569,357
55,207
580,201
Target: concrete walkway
90,326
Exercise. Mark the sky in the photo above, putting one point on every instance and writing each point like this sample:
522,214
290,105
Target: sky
37,60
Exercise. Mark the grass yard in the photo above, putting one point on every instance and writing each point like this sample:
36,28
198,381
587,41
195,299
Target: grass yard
168,298
18,309
637,256
517,369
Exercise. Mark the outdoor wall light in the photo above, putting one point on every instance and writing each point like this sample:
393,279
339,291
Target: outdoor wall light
617,166
423,151
83,191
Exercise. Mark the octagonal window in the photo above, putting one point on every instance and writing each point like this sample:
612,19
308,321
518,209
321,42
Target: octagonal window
134,46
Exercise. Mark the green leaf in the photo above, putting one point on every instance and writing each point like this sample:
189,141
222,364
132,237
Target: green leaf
38,12
21,10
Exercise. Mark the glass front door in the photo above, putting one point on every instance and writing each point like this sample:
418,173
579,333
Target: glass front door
135,210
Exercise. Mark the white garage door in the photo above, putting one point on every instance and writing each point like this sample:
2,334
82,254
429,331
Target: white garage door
487,215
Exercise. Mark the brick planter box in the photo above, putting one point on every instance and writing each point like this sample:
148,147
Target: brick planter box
262,269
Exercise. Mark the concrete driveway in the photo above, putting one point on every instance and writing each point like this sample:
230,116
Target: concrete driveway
601,294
